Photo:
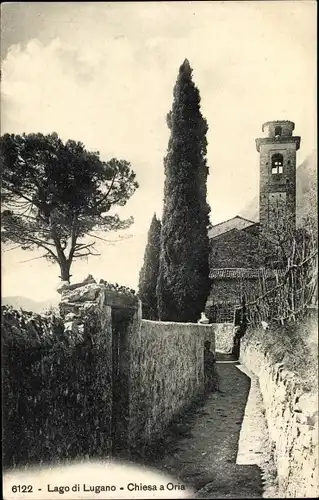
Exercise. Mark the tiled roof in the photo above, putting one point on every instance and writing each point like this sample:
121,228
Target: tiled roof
244,273
227,225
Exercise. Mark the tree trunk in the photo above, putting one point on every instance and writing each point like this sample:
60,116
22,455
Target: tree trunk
65,272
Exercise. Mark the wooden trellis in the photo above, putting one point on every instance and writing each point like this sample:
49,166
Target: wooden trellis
294,292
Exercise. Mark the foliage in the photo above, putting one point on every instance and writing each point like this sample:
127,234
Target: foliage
292,346
55,389
296,285
55,194
120,289
183,283
276,244
149,271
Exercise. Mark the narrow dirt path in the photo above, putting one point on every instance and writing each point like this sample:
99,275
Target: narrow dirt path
200,450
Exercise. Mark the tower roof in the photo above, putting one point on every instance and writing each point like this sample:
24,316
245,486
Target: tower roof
278,131
278,122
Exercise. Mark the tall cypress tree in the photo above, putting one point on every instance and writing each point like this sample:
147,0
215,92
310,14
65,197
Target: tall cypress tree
183,282
149,271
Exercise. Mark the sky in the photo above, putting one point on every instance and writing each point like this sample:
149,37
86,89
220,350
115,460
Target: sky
103,73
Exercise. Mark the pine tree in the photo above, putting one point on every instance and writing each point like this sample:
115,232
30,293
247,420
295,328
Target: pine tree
183,282
149,271
56,195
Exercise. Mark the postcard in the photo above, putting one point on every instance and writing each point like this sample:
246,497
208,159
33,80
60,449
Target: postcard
159,235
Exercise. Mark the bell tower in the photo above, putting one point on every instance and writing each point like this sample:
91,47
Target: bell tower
277,191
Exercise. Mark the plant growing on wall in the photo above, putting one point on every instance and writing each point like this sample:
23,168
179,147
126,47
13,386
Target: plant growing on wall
183,283
149,271
56,196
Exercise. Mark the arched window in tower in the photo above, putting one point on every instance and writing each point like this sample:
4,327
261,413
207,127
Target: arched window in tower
277,162
278,131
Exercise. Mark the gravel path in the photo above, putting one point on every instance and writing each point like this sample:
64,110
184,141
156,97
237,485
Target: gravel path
211,450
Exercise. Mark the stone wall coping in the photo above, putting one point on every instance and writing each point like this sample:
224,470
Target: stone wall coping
222,324
272,122
113,298
110,291
68,292
176,323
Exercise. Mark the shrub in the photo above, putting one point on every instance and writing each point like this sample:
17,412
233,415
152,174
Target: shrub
54,385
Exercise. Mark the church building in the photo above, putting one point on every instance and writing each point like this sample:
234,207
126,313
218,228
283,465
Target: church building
236,261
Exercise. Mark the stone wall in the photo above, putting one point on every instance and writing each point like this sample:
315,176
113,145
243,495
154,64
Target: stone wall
85,304
98,371
58,384
236,248
232,290
160,365
291,404
167,375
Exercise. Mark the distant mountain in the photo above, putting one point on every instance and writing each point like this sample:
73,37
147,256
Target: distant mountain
28,304
306,191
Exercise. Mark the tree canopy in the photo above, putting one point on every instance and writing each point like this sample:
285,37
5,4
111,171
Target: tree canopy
55,194
183,282
149,271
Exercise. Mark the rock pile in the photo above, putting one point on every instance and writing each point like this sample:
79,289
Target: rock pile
79,301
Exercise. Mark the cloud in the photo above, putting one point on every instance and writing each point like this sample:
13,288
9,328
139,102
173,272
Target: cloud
104,74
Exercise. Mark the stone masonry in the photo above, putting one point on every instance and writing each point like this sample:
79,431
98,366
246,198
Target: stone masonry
279,141
292,418
162,363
